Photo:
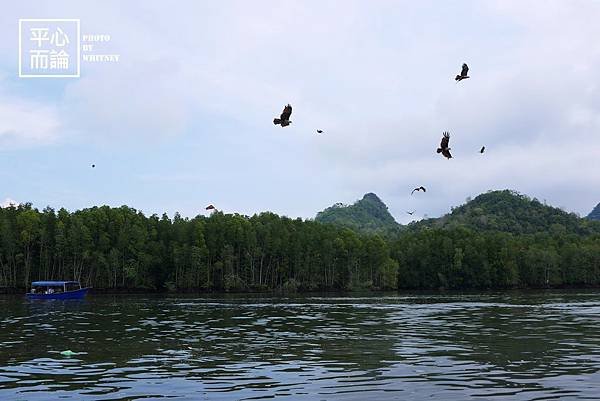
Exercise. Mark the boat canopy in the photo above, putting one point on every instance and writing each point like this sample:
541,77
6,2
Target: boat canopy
52,283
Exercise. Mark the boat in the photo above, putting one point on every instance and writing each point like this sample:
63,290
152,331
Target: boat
57,290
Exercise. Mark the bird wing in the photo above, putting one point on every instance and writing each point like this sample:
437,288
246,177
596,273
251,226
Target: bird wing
287,112
465,70
445,140
423,189
209,207
413,191
446,153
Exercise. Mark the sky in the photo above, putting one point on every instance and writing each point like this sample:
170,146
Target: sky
184,118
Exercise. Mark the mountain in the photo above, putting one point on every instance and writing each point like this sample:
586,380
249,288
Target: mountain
499,211
368,215
510,211
595,214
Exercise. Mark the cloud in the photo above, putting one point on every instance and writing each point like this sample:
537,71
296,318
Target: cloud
26,122
128,104
377,78
9,202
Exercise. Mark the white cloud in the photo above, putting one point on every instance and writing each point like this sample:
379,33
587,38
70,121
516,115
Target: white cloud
25,122
9,202
377,77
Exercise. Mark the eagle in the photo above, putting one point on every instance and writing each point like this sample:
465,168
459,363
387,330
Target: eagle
444,149
284,119
463,73
411,213
421,188
482,149
210,207
319,131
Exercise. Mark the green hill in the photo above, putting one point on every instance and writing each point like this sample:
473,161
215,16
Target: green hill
510,211
368,215
595,214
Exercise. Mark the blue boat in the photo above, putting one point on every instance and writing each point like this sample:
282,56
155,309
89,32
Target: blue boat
56,290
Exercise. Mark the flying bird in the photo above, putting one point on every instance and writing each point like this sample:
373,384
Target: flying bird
284,119
463,73
319,131
93,166
482,149
444,149
421,188
211,207
411,213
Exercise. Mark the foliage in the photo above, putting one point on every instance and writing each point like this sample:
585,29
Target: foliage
499,240
511,212
595,213
120,248
368,215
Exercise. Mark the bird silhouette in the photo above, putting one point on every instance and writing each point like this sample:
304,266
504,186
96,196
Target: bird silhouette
444,149
284,119
421,188
463,73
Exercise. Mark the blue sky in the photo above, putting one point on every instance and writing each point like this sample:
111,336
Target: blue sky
184,118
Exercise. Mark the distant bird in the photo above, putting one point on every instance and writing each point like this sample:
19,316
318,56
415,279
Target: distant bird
411,213
482,149
421,188
319,131
463,73
93,166
284,119
210,207
444,149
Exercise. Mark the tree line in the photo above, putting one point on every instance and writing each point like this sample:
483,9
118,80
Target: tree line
122,249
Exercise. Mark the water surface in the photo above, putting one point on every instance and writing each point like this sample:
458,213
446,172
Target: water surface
516,346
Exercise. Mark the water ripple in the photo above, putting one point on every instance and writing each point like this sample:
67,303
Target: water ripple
535,346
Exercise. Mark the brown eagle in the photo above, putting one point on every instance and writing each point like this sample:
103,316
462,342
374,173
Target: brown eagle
463,73
210,207
444,149
284,119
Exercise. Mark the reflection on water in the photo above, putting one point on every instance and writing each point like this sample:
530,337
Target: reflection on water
500,346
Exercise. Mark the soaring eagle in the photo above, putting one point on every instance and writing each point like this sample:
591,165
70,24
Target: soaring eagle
444,149
463,73
421,188
411,213
284,119
319,131
210,207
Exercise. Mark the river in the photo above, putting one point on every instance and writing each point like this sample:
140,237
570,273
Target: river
495,346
